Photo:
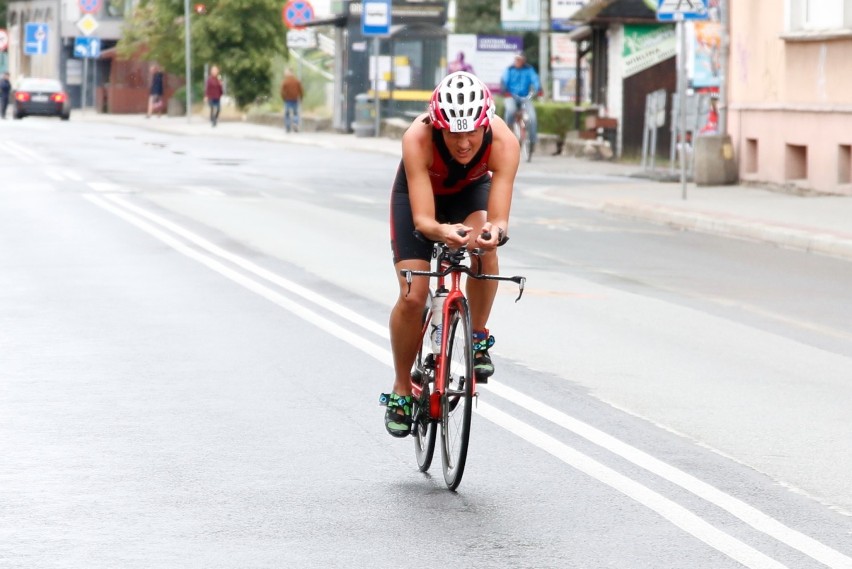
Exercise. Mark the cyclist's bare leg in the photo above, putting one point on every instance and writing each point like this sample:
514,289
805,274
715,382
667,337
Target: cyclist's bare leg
480,294
405,323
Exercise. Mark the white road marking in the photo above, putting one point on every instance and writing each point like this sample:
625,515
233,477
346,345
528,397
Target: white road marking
359,199
676,514
671,511
54,175
17,151
750,515
203,191
307,294
107,187
72,175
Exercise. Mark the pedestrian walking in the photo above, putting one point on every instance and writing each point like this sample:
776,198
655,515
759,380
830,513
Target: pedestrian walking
5,90
213,94
155,94
291,92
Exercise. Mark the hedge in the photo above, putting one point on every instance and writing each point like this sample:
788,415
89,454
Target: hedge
553,118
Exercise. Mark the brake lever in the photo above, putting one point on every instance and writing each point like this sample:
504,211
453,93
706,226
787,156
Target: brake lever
521,282
408,278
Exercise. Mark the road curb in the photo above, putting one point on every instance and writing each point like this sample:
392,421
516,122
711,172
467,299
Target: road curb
727,225
809,239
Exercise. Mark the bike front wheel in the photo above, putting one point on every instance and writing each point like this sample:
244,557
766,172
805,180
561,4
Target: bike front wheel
457,399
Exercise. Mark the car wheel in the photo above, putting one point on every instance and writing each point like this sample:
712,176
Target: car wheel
17,116
66,117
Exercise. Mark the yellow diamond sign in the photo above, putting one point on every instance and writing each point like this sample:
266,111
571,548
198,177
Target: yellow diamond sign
87,24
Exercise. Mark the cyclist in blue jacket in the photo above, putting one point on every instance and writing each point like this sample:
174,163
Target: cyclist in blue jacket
520,80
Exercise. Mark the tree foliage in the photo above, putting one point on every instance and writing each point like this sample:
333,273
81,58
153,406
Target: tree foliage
241,37
478,17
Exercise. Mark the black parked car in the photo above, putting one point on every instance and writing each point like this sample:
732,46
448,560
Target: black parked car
44,97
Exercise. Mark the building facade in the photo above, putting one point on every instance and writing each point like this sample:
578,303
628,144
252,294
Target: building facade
790,93
61,22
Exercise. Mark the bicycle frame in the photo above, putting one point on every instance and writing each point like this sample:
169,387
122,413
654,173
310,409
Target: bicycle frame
521,112
521,124
449,264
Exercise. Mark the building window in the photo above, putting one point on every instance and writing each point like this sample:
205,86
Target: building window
844,164
822,14
811,15
751,156
796,163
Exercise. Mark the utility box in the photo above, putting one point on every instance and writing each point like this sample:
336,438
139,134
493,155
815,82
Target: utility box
714,160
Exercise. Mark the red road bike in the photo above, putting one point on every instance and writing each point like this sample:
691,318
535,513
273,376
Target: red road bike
442,380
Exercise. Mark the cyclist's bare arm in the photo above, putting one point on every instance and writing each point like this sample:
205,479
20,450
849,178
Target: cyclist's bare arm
503,164
417,157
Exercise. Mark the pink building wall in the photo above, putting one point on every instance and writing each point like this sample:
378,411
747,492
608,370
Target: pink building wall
790,100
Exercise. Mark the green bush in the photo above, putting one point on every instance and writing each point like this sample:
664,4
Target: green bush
553,118
197,92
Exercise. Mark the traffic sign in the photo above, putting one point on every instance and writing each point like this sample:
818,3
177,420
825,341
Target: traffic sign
35,38
87,47
297,13
4,39
89,6
376,17
87,24
679,10
301,39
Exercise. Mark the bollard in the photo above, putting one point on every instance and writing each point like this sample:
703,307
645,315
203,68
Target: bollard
365,116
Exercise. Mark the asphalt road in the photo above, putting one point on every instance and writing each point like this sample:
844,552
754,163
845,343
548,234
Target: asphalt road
193,338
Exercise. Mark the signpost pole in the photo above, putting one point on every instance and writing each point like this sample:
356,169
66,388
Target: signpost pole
95,83
85,82
375,22
675,10
376,82
723,74
681,87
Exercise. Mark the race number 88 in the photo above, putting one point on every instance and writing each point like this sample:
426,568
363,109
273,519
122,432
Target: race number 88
460,125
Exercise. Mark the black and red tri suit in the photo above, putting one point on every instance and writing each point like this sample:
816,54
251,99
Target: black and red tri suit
459,190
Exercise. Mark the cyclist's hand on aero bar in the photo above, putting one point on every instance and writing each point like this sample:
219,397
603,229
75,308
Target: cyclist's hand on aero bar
455,235
490,237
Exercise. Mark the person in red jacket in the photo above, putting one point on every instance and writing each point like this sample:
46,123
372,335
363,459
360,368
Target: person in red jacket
213,94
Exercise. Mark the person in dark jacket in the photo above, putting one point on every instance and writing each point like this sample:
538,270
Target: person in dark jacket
155,95
5,90
213,94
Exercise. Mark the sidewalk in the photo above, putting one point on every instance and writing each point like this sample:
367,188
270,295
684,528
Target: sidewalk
819,224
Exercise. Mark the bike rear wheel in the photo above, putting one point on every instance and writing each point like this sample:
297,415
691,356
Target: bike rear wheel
423,427
457,400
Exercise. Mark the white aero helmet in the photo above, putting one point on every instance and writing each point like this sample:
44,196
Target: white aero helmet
461,103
